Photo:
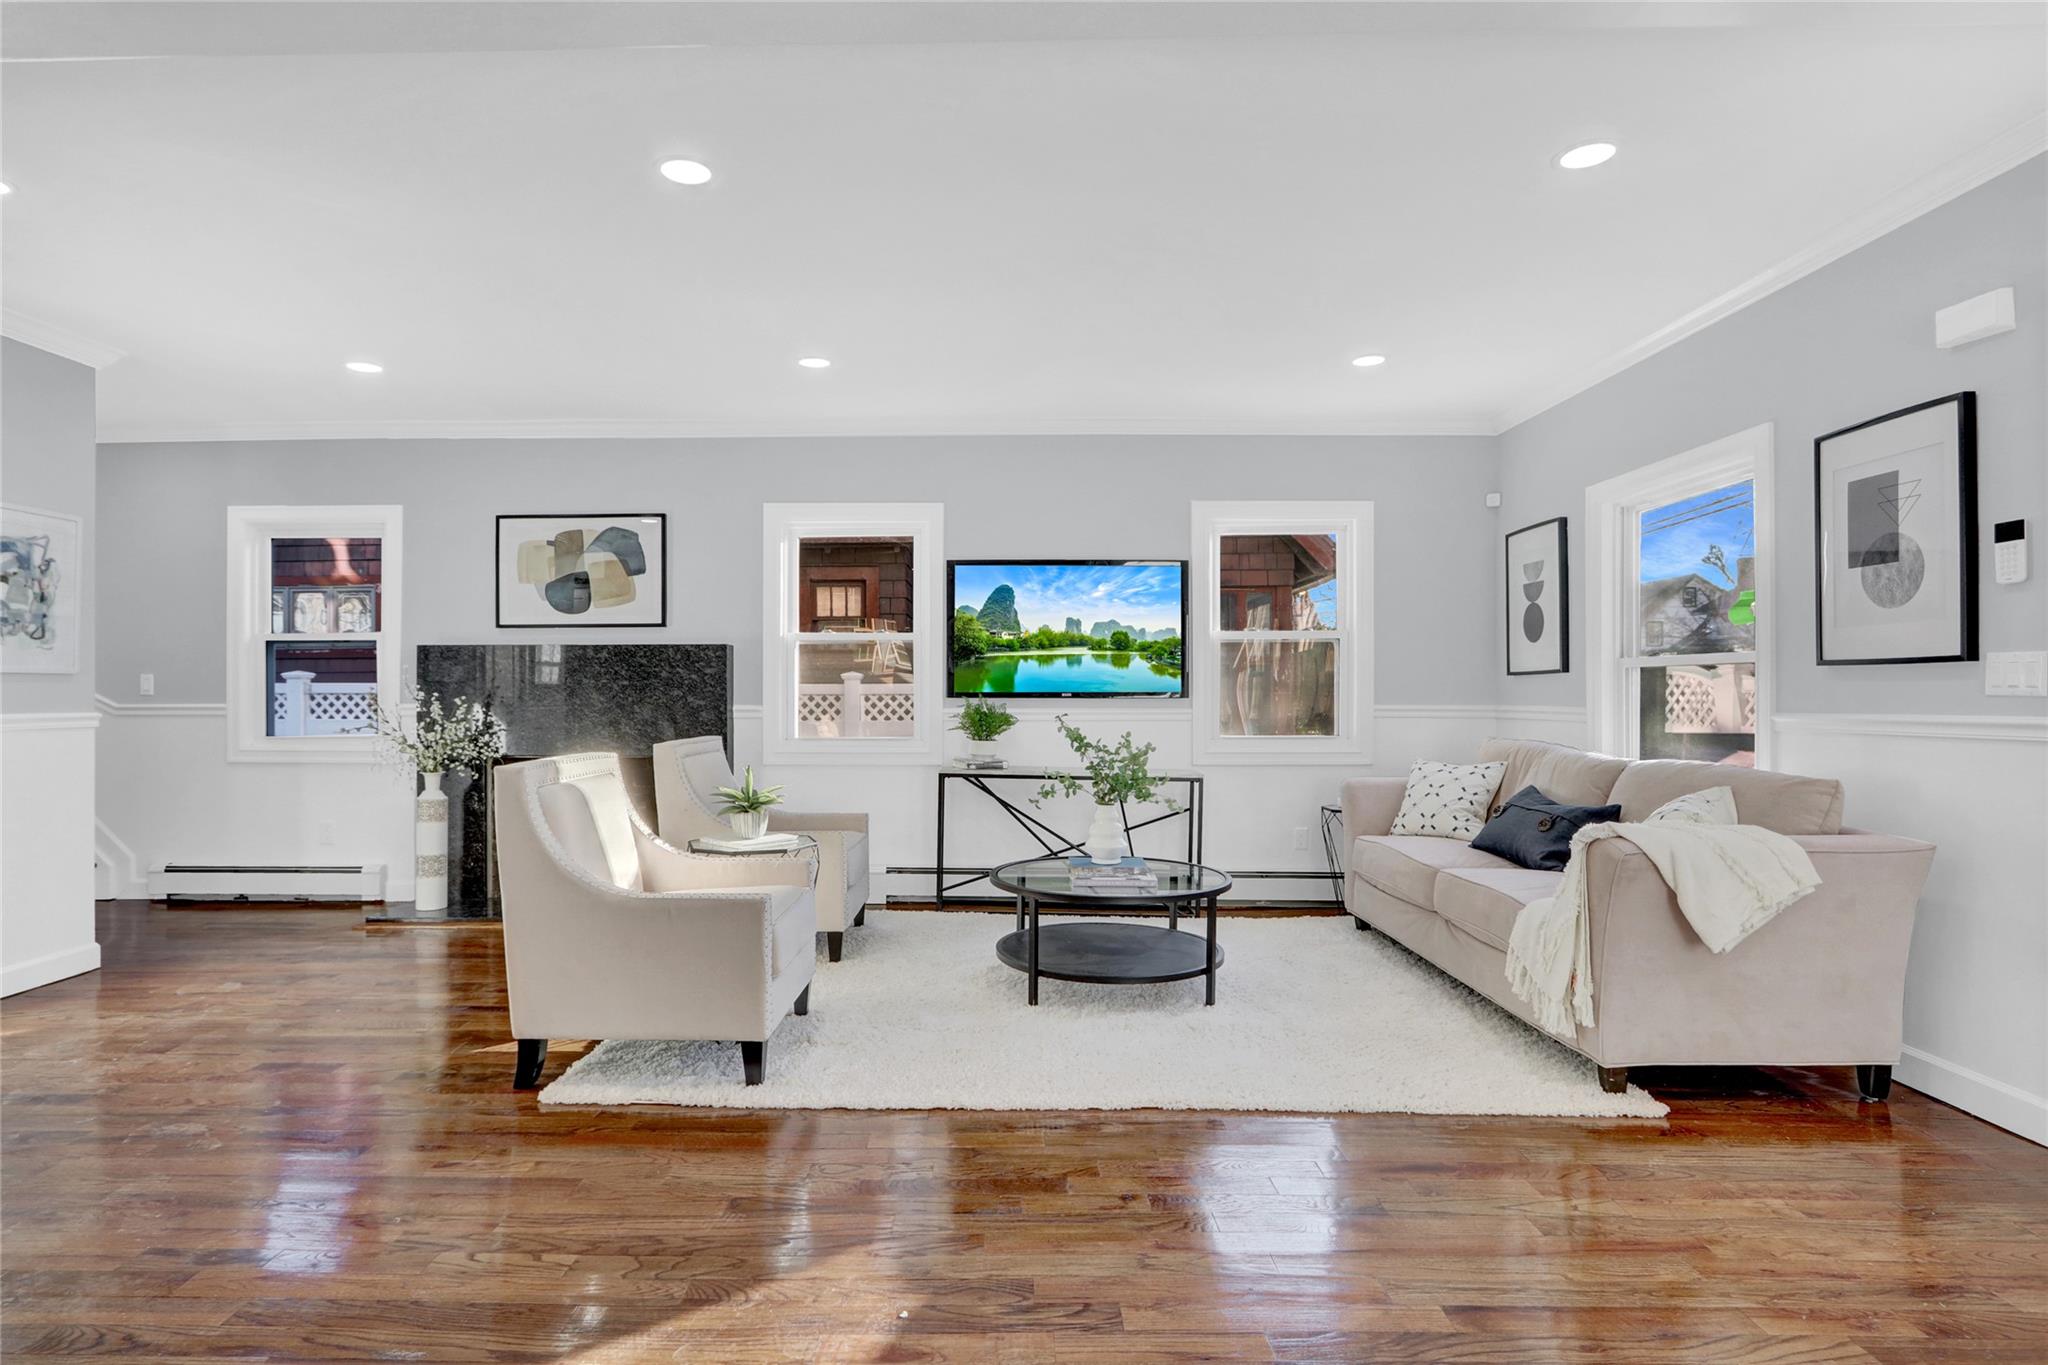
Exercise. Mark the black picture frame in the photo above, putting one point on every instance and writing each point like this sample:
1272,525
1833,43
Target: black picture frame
657,571
1187,682
1966,535
1564,599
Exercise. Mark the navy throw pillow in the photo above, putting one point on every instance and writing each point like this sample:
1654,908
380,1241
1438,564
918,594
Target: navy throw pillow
1531,830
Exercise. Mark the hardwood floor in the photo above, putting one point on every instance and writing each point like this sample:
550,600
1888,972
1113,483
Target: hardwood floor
280,1136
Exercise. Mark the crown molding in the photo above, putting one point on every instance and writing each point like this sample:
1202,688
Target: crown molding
1958,177
48,336
139,433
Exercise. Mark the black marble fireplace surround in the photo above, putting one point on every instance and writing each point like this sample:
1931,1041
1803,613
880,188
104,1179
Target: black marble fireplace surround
565,699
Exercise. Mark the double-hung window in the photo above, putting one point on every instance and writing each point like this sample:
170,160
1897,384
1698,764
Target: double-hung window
1281,665
1681,552
852,664
312,598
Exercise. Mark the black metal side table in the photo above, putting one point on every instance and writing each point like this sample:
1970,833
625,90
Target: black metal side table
1123,952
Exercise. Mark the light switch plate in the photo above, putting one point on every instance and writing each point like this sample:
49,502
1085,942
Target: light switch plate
2019,673
146,685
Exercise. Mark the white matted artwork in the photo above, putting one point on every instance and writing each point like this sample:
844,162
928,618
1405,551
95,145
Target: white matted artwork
1538,600
41,576
1896,536
596,571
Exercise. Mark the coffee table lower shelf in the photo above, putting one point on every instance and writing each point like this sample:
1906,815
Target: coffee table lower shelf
1109,954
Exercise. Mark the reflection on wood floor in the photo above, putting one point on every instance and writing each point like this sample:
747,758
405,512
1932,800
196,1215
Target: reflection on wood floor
279,1135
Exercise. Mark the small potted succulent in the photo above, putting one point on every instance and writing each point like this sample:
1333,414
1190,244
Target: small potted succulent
746,806
984,722
1112,774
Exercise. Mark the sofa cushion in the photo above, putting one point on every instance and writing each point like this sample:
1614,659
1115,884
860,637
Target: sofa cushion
1406,865
1447,800
1560,772
1536,832
1483,901
1783,802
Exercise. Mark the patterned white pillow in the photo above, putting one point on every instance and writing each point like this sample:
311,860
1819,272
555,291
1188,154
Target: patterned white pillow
1713,806
1448,800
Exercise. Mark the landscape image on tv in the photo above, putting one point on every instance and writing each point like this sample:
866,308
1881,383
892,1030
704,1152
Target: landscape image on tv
1064,629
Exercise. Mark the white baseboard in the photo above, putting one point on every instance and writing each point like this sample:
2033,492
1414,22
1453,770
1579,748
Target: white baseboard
41,971
1994,1101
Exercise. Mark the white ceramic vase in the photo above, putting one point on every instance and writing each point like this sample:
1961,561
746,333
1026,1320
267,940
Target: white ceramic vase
750,824
430,845
1106,836
982,751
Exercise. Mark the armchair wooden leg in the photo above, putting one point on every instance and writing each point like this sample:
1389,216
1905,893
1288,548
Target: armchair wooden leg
753,1057
1614,1079
1874,1083
533,1055
803,1003
860,917
834,943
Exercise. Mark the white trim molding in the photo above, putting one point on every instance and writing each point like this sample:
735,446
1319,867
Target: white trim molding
58,341
2004,729
50,968
148,710
1959,177
14,721
585,428
1973,1092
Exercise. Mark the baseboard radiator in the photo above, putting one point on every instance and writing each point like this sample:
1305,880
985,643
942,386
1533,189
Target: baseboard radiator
223,882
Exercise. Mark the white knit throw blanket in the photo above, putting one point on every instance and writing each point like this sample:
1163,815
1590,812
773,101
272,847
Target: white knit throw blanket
1730,881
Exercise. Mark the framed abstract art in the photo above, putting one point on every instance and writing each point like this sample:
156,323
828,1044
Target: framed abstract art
42,575
593,571
1895,536
1538,600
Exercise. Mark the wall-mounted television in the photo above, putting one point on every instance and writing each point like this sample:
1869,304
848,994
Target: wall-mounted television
1066,627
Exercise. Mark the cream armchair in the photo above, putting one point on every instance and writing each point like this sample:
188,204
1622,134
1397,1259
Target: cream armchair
687,775
611,933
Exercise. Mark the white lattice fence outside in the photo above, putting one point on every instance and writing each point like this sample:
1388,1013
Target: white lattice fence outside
882,709
1698,703
300,706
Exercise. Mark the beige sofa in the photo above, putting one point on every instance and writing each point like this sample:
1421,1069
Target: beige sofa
1820,984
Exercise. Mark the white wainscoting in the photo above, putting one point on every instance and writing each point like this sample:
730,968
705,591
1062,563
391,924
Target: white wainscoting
46,848
1976,1028
167,795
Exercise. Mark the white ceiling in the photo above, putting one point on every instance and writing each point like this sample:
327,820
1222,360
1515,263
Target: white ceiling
991,218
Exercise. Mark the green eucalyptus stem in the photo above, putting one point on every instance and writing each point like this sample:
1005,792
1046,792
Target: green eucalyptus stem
1113,774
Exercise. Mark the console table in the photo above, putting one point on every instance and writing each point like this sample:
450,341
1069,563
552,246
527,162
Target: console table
1049,839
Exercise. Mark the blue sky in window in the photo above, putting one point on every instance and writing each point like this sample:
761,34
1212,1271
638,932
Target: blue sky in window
1145,595
1677,536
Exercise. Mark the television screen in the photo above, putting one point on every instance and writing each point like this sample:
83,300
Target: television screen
1067,628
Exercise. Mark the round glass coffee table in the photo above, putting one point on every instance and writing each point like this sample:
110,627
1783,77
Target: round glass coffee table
1127,952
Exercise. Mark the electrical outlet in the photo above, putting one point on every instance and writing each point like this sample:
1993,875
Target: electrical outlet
325,834
1301,836
146,685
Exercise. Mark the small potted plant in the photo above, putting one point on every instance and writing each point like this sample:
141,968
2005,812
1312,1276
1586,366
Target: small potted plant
1113,775
746,806
984,722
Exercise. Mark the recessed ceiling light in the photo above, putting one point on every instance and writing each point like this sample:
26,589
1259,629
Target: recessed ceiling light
1366,362
365,367
686,172
1592,154
815,362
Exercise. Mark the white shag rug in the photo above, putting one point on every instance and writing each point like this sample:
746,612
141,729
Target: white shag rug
1311,1016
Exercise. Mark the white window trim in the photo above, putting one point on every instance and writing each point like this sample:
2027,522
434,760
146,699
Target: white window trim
249,532
783,526
1351,524
1611,555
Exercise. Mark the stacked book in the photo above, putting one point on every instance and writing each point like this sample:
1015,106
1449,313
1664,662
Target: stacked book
763,843
1127,874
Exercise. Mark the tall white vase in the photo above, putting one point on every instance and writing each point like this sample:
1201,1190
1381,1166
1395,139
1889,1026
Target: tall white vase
1106,836
430,845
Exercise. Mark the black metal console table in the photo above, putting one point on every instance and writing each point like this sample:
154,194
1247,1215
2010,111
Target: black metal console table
1051,840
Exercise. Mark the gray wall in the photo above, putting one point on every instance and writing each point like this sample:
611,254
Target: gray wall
46,461
1061,497
1852,341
